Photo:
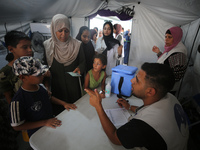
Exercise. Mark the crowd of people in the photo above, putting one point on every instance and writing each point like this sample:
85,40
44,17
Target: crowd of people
28,85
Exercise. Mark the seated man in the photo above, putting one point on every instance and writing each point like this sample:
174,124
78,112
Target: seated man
159,124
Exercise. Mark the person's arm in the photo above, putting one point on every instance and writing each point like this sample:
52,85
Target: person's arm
63,103
87,81
53,123
109,128
156,50
119,51
103,86
120,39
8,95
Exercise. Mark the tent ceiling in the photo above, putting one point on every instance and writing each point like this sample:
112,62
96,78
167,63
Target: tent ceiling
12,11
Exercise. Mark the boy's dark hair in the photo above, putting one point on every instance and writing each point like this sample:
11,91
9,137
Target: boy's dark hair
102,57
12,38
159,76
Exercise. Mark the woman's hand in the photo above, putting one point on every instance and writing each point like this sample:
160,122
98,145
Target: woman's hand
155,49
70,106
77,70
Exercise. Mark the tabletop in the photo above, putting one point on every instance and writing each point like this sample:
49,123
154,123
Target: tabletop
80,130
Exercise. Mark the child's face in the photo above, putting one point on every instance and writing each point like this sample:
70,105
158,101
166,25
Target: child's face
94,37
85,37
23,48
33,80
98,65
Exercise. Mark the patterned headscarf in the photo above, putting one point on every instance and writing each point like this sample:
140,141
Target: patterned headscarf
63,52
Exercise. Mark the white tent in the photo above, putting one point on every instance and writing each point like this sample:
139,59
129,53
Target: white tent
151,19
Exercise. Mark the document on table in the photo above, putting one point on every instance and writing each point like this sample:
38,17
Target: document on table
118,116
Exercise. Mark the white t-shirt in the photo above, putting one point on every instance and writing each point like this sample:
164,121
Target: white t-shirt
112,57
100,45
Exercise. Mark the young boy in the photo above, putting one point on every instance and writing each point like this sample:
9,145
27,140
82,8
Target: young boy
19,44
31,108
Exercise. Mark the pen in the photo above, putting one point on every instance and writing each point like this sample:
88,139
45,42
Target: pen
126,100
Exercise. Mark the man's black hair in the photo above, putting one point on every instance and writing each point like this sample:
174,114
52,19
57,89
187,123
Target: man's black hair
159,76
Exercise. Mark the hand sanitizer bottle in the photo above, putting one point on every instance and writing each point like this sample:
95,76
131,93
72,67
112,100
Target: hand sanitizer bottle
108,90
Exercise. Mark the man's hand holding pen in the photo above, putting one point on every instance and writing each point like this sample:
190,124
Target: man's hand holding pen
122,102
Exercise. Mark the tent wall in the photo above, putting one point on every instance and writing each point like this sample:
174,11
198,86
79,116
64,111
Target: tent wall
76,23
20,26
147,30
191,81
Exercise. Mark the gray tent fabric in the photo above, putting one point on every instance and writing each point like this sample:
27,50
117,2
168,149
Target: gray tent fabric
150,21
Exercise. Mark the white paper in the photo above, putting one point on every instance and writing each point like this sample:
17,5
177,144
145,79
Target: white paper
118,116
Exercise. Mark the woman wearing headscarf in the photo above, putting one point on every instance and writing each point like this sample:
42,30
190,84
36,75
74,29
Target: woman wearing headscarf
84,36
117,29
112,51
174,55
64,54
93,37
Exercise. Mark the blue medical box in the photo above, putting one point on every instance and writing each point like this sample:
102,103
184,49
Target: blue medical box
121,79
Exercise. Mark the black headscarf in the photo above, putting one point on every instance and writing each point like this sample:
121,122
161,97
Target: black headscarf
109,40
83,28
87,48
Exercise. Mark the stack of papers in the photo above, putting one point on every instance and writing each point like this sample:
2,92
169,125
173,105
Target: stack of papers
118,116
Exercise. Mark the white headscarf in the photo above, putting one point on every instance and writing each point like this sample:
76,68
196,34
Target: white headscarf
63,52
